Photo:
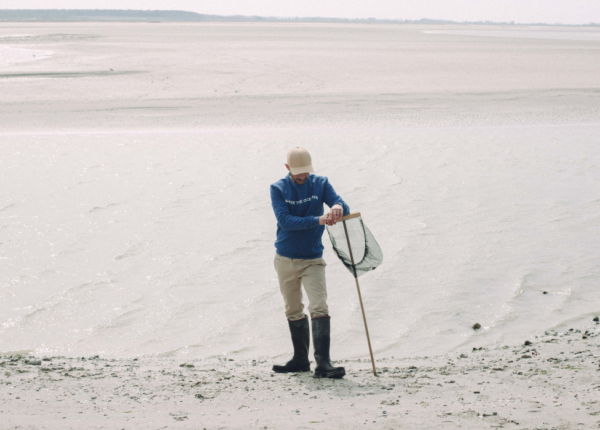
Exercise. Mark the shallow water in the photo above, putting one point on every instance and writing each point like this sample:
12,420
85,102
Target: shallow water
160,240
564,33
10,55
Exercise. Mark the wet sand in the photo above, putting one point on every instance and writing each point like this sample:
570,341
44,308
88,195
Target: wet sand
222,75
104,77
550,382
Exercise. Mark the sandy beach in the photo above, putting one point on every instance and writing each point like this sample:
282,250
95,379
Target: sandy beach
550,382
137,288
111,76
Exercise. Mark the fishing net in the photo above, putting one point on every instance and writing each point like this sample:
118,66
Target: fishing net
364,249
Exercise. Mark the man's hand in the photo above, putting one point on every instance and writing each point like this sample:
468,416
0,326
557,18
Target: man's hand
332,217
326,219
337,213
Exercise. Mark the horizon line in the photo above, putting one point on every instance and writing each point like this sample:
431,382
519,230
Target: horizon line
259,18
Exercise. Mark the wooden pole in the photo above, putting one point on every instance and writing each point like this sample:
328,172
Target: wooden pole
362,308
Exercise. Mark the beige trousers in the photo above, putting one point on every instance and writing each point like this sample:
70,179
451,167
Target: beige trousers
292,274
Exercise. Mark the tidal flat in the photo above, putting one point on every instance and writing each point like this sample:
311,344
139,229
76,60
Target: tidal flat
138,288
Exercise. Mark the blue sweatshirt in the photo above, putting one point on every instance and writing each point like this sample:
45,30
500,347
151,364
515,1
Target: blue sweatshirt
297,209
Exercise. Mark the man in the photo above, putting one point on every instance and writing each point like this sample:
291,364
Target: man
297,202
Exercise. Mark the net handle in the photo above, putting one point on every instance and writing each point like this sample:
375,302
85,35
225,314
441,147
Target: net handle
362,308
350,216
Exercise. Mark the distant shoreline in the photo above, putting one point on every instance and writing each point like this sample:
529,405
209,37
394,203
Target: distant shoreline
113,15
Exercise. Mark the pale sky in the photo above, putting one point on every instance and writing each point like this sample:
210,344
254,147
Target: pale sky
520,11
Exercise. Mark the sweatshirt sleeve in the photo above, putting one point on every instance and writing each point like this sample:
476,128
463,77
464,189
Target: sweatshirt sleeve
330,197
285,219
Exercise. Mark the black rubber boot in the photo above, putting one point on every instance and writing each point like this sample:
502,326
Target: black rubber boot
301,341
321,329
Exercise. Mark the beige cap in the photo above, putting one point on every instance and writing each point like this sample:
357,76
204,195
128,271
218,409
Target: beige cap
299,161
